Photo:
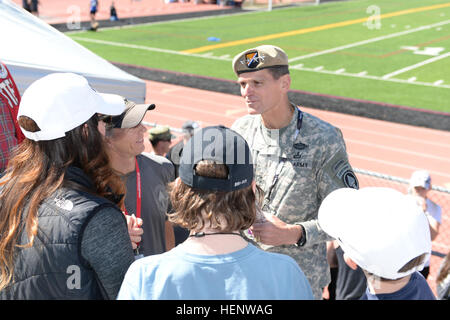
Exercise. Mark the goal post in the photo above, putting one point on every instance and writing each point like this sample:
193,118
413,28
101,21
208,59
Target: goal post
270,4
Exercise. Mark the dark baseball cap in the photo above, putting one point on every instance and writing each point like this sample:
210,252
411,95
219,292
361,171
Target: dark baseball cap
222,145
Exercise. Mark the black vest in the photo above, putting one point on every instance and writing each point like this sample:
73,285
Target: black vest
53,267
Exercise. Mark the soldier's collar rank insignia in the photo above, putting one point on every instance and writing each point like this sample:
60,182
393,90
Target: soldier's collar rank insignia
252,59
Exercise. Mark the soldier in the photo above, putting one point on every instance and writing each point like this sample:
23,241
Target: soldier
298,159
161,138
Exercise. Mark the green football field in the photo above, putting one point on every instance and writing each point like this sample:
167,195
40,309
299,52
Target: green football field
396,52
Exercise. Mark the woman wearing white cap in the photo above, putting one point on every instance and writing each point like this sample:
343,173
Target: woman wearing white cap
60,238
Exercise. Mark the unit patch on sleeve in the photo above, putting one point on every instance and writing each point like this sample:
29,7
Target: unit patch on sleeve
340,171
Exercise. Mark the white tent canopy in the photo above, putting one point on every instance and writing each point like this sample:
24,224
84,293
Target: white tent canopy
31,49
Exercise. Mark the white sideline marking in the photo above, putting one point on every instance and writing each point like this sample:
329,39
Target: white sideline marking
364,75
439,82
412,79
340,70
133,46
360,43
415,66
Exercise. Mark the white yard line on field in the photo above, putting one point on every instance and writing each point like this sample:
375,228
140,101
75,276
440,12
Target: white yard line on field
360,43
415,66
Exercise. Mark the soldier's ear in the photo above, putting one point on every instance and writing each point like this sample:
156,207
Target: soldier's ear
285,82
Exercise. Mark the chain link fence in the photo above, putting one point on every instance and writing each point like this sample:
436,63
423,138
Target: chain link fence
441,196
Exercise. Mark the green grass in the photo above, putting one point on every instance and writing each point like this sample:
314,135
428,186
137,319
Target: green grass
376,59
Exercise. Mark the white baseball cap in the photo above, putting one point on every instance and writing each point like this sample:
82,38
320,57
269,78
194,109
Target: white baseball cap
380,229
420,178
60,102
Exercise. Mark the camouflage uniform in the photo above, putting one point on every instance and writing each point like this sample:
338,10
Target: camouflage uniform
311,167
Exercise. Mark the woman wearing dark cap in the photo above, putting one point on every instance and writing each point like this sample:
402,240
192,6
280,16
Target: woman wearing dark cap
215,199
60,236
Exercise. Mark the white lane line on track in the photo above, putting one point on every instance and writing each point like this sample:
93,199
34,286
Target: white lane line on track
194,109
213,102
437,134
404,151
397,164
400,136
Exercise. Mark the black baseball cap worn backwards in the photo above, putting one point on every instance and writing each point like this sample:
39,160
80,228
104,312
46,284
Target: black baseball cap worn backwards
222,145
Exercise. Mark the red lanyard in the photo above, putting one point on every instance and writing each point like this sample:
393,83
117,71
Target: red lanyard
138,192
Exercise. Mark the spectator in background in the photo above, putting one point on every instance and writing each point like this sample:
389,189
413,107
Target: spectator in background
215,197
146,176
113,12
382,231
174,155
419,188
34,7
93,8
26,4
10,132
63,236
443,279
160,137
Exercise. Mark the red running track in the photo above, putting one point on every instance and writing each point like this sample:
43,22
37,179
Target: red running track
374,145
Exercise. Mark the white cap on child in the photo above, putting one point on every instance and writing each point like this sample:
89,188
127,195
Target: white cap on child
380,229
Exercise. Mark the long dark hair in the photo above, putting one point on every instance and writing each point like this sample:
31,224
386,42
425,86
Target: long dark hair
36,170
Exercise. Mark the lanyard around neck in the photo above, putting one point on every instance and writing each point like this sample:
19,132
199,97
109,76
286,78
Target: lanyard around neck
282,161
138,192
